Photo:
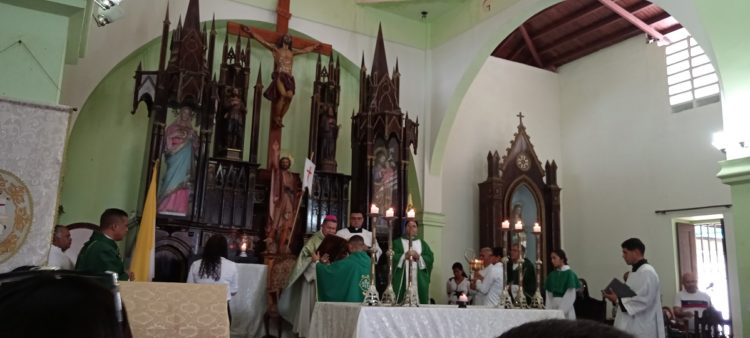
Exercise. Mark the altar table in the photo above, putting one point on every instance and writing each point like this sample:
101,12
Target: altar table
249,304
348,320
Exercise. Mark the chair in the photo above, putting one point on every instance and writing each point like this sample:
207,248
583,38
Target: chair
587,307
673,327
712,325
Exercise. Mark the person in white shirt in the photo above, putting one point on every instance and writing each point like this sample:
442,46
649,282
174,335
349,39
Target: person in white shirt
458,284
356,219
215,268
60,242
489,282
689,300
640,315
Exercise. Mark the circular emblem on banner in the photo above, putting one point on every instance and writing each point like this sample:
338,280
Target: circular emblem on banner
16,213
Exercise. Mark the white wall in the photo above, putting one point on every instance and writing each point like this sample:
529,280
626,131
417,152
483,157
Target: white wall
487,121
625,156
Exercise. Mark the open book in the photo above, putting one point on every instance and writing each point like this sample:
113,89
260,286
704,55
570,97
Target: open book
620,289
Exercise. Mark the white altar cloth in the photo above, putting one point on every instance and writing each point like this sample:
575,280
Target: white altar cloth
249,304
349,320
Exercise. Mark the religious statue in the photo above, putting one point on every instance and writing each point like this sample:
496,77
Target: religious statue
384,177
235,118
328,132
284,205
175,186
282,87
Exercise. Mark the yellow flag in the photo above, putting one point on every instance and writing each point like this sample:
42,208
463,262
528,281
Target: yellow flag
142,261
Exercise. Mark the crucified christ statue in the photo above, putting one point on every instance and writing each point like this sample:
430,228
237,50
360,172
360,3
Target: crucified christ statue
282,87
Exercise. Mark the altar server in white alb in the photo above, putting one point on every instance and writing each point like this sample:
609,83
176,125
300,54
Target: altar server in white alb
640,315
488,283
356,219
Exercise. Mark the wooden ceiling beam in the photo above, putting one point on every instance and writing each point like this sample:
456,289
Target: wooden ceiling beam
602,43
606,21
578,15
530,46
670,29
625,14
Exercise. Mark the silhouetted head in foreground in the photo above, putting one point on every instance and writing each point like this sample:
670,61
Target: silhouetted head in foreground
564,328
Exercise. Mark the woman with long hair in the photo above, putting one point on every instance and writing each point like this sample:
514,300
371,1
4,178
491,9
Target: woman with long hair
457,284
215,268
561,285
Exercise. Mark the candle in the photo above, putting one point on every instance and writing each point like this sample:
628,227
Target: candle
463,298
537,229
389,212
374,209
519,226
506,224
411,213
243,247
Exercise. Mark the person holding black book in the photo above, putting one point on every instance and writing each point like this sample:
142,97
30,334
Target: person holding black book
639,312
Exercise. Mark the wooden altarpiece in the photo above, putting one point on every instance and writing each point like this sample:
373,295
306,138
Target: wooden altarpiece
519,188
330,190
382,137
200,193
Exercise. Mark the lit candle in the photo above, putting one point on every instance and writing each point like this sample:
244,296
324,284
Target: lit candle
519,226
411,213
463,298
537,229
243,247
389,212
506,224
374,209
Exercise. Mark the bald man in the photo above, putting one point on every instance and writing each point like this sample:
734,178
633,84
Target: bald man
689,300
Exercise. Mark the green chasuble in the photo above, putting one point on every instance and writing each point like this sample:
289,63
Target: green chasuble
529,278
345,280
304,259
100,254
297,300
560,281
423,271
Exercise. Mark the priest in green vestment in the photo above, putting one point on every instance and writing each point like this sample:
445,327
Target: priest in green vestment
100,253
298,298
517,260
422,259
561,285
345,280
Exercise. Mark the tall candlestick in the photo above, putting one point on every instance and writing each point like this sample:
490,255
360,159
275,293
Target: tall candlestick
389,296
372,297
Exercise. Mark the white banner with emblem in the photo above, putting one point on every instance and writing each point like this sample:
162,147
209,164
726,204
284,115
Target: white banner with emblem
32,145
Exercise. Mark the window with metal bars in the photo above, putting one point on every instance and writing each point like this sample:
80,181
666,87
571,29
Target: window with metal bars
691,78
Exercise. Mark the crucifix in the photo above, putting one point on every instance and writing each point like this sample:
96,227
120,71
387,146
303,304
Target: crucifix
282,88
520,118
280,92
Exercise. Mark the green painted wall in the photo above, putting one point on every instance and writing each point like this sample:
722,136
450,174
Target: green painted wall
36,63
105,154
